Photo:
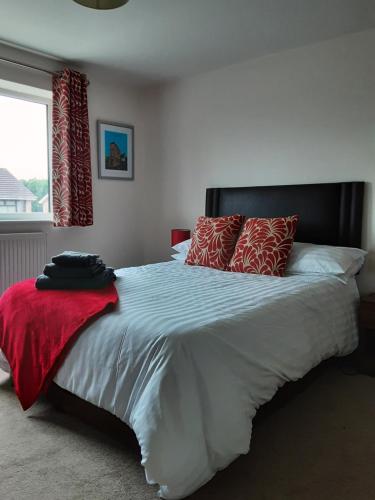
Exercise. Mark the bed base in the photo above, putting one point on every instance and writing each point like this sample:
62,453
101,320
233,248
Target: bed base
92,415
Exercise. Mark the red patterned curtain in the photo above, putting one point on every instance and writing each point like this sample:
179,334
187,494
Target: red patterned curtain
71,162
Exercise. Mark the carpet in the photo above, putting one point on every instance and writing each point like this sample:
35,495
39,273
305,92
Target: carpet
320,446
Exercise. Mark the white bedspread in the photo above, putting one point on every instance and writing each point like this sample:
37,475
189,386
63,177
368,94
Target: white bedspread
192,352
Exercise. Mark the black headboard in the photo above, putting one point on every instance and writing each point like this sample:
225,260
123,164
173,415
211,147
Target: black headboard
330,214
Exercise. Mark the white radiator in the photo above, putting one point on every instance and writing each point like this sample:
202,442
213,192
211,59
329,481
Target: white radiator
22,256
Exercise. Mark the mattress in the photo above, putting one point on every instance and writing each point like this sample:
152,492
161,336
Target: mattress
191,353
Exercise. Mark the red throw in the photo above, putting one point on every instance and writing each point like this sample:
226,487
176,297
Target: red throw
38,327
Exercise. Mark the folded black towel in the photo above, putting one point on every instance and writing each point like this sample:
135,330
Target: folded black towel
100,280
75,259
56,271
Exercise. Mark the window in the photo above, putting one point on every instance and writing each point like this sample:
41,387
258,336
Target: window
25,156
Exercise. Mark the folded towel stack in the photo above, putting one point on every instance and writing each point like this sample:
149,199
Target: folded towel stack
75,271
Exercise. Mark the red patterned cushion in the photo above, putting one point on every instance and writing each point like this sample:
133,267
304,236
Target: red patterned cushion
214,240
264,246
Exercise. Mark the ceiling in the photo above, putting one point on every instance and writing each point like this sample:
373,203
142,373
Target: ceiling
165,39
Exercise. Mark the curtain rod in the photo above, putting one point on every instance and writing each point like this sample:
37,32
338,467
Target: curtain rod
30,66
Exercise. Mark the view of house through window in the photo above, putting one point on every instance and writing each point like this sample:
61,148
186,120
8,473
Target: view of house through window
24,165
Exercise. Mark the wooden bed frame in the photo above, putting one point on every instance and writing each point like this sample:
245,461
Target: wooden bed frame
329,213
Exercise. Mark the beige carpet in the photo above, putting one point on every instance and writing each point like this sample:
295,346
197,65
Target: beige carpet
320,446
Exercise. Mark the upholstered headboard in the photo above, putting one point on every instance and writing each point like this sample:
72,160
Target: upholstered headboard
330,214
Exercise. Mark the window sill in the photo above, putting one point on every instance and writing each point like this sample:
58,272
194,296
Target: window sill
41,220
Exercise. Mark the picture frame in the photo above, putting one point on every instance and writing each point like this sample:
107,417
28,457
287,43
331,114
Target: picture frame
115,151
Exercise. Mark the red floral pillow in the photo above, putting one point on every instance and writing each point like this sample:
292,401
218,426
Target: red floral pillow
213,241
264,246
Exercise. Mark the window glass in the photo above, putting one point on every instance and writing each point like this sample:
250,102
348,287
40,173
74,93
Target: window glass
24,156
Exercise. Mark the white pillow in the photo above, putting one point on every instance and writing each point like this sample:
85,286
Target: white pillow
325,259
183,247
181,257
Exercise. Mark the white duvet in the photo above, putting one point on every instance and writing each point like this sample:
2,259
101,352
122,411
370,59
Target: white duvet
192,352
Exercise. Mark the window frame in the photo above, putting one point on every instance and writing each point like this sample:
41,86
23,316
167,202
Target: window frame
38,96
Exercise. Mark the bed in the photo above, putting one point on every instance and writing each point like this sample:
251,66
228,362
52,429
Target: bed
191,353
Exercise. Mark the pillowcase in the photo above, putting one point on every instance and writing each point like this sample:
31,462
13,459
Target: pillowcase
213,241
325,259
264,246
182,247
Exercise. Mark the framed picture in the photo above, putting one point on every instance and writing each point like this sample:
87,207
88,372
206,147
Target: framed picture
115,151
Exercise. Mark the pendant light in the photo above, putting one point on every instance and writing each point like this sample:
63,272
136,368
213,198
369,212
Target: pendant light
102,4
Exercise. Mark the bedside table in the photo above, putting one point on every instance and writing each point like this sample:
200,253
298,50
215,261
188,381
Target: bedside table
366,348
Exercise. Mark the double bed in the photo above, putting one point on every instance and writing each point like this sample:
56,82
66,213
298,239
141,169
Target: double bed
191,353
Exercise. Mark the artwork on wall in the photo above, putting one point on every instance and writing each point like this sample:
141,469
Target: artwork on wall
115,151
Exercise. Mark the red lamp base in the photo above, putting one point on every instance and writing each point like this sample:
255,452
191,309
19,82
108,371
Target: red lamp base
179,235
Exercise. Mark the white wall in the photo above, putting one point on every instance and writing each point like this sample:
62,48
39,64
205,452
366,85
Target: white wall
305,115
117,233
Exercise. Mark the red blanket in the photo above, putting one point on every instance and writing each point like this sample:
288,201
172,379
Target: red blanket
37,329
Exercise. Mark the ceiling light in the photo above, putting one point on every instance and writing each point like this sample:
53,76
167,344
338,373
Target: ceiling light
102,4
